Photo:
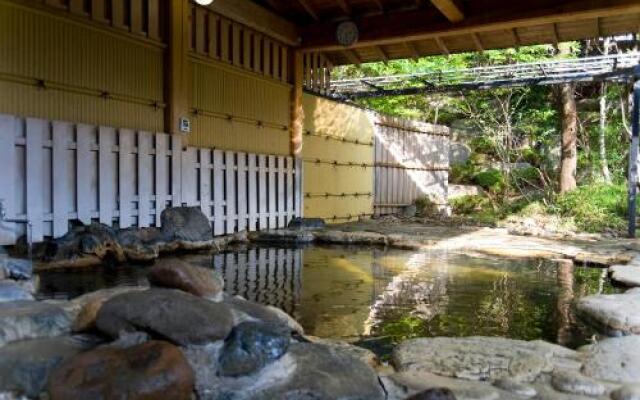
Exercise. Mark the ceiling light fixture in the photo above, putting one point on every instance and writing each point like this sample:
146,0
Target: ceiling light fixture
204,2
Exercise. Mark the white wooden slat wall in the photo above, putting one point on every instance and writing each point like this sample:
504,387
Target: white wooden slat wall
57,172
411,161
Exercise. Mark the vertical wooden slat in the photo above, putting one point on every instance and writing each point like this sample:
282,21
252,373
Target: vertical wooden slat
106,163
218,193
214,20
272,191
262,182
136,14
83,180
117,14
284,64
161,180
247,42
127,182
230,199
189,177
97,11
236,44
200,25
62,135
176,170
290,211
153,19
77,7
34,177
242,192
282,218
205,182
266,60
144,180
8,127
257,52
299,187
275,57
253,192
224,40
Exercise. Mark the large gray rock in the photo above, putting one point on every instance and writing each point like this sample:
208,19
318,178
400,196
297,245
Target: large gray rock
11,291
615,314
244,310
362,238
627,392
403,385
306,223
85,245
459,153
186,224
289,236
628,275
481,358
167,314
576,383
613,359
142,245
307,371
251,346
25,366
16,268
24,319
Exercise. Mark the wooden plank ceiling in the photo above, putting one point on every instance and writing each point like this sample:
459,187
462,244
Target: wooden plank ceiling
393,29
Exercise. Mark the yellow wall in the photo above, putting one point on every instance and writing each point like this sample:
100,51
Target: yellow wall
331,131
258,108
77,62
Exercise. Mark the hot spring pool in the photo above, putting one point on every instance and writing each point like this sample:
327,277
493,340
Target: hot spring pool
383,296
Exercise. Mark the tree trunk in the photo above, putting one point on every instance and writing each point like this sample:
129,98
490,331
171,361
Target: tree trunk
602,150
569,125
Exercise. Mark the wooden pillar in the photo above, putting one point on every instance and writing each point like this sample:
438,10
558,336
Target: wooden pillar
633,159
297,112
176,65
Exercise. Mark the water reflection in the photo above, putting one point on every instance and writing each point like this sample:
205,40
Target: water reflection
346,292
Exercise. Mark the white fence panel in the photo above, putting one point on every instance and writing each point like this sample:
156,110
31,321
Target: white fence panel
57,172
411,161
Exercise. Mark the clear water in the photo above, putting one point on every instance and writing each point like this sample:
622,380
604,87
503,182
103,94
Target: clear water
383,296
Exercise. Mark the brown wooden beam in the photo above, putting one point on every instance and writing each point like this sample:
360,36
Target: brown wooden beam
442,46
177,70
412,50
515,37
427,23
259,18
346,8
352,56
450,8
307,7
477,41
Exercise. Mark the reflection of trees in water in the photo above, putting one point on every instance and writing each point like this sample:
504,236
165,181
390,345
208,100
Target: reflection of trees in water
268,276
566,319
412,292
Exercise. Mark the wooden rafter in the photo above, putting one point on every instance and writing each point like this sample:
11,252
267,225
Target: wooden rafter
450,8
412,50
352,56
598,29
346,8
554,32
308,9
442,46
427,23
515,37
383,54
477,41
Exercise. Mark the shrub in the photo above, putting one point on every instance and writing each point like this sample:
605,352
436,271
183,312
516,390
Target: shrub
425,206
525,177
466,205
491,180
595,207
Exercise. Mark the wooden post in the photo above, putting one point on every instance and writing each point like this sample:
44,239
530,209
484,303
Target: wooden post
177,66
297,112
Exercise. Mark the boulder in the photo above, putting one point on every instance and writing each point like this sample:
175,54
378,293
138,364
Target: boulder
16,268
409,211
25,366
244,310
152,370
459,153
614,313
403,385
627,392
613,359
513,386
306,223
627,275
602,260
168,314
85,308
85,245
289,236
251,346
576,383
25,319
364,355
187,225
141,244
11,291
480,358
176,274
362,238
433,394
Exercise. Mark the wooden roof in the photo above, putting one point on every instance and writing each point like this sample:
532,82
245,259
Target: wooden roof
393,29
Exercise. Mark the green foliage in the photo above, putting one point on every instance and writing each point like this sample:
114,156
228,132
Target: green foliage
491,180
525,177
463,173
425,206
595,207
466,205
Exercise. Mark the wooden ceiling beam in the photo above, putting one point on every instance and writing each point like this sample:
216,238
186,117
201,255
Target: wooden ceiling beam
412,50
309,9
477,41
450,8
383,54
346,8
427,23
515,37
554,33
258,18
442,46
352,56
